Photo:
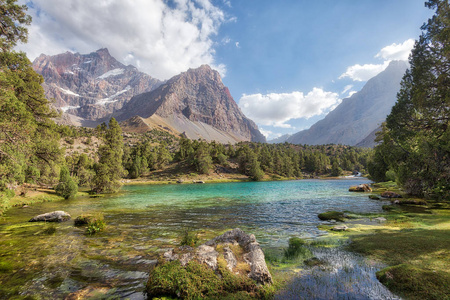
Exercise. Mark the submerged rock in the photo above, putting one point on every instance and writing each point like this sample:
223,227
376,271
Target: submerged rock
54,216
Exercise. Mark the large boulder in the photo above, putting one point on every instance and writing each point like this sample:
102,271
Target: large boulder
360,188
54,216
235,246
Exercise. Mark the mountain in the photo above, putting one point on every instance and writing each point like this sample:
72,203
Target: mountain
195,103
91,86
280,139
357,117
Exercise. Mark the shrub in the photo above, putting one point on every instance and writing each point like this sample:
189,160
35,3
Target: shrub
95,224
189,238
295,249
67,187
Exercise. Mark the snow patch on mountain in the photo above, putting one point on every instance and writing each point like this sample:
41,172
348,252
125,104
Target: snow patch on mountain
112,98
66,108
113,72
68,92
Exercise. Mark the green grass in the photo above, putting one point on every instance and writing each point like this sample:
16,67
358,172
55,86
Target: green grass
416,283
415,242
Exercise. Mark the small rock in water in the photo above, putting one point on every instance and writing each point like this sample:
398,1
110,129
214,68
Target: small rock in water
54,216
380,219
339,228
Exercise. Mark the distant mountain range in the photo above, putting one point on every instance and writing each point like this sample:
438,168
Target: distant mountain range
357,118
92,88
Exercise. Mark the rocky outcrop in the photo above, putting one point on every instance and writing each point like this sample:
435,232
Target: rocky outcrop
359,116
197,104
222,246
90,86
54,216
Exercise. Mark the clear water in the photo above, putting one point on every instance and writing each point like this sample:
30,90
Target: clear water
144,219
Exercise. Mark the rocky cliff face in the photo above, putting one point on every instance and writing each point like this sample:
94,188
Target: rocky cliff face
360,115
197,104
91,86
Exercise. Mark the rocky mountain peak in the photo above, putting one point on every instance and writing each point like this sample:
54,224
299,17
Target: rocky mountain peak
199,96
90,86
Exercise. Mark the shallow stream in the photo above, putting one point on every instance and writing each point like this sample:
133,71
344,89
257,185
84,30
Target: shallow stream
143,220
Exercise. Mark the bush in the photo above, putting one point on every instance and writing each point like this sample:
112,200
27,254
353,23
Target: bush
67,187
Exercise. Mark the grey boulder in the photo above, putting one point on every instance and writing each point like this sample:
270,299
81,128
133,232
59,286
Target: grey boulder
54,216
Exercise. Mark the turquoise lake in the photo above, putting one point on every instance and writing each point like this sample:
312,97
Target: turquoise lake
143,220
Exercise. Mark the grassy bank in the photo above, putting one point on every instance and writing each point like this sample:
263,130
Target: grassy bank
32,196
414,242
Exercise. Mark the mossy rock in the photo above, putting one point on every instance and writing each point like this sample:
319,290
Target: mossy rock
83,220
416,283
197,281
332,215
374,197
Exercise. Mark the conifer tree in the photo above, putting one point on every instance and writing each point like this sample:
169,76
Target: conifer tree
109,169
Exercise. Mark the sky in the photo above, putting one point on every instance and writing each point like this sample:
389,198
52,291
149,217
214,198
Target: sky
287,63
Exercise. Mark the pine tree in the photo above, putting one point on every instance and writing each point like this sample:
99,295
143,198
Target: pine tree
109,169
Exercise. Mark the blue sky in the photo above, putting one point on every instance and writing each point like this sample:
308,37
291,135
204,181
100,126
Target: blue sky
286,63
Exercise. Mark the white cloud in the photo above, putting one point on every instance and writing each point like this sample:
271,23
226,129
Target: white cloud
364,72
392,52
396,51
276,109
347,88
237,45
163,39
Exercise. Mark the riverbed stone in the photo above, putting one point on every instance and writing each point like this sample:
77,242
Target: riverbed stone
54,216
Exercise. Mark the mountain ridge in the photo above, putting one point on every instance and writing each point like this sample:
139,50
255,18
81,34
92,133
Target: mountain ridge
356,117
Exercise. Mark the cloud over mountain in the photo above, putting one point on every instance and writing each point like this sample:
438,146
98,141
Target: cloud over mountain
277,109
161,38
394,51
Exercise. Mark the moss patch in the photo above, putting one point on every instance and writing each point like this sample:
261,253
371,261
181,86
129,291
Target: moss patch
332,215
